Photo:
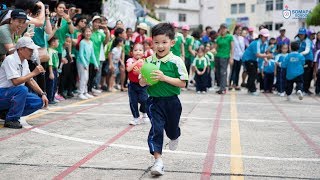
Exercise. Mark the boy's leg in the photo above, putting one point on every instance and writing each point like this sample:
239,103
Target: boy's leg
142,98
289,87
173,112
300,82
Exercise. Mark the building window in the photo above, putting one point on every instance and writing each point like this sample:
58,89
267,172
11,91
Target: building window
234,9
269,5
162,16
279,4
182,1
253,8
278,26
268,25
242,8
182,17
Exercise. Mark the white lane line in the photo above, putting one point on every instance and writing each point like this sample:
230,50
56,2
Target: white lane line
40,131
197,118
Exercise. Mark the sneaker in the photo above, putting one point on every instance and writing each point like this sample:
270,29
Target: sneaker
134,122
52,102
282,94
83,97
88,96
243,85
12,124
173,144
56,100
254,93
237,88
300,94
221,92
58,97
198,92
289,98
96,91
157,169
203,92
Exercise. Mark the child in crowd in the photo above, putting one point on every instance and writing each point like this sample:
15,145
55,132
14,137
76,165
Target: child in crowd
272,46
294,63
317,72
86,53
114,60
281,72
210,57
200,64
147,48
163,106
268,73
137,93
52,71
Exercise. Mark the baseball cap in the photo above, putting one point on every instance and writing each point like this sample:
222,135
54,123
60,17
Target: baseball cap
175,24
95,18
18,14
302,31
26,42
223,25
264,32
250,29
185,27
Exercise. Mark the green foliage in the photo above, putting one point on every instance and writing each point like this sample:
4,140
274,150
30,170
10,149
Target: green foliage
314,17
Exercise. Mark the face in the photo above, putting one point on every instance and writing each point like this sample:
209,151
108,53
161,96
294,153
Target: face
87,33
129,33
119,24
272,41
282,32
142,31
55,43
16,24
244,33
200,52
123,35
96,24
312,36
223,31
26,52
60,10
185,32
263,38
318,36
238,32
207,47
82,23
68,41
162,44
284,49
302,36
137,51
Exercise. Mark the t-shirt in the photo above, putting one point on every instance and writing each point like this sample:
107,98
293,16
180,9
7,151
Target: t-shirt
210,57
176,49
116,54
61,34
255,47
97,39
40,37
171,66
11,68
54,58
188,42
294,63
268,67
224,46
133,77
127,47
5,38
86,53
200,62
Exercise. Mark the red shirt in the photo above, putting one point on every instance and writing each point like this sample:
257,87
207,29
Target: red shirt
133,76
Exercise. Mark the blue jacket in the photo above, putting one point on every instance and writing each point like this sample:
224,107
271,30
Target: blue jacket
255,47
294,63
306,49
269,68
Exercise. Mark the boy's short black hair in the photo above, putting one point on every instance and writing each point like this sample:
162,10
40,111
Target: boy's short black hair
163,29
294,46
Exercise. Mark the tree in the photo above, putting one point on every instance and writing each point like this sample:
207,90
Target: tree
314,17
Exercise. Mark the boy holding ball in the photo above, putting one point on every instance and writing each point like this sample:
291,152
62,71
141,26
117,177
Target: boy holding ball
163,105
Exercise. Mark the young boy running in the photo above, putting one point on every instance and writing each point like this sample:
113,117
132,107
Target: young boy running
163,105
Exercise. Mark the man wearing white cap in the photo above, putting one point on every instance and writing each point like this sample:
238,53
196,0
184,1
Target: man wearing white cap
15,100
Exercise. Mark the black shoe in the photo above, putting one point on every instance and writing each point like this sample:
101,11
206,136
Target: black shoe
12,124
243,85
104,88
3,114
221,92
70,95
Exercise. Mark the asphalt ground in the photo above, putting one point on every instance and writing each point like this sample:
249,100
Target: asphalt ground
232,136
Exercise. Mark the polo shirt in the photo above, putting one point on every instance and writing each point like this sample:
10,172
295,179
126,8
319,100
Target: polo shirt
172,66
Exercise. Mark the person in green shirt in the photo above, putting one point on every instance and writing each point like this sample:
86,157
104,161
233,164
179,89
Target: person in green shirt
209,54
178,47
163,105
224,56
188,47
52,71
200,64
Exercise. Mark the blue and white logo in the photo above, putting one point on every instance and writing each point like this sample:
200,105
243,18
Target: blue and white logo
286,12
295,14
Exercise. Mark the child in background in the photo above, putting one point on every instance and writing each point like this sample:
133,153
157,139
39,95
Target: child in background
114,58
294,64
52,71
268,74
200,64
86,53
147,48
272,46
317,72
281,72
137,94
210,57
163,106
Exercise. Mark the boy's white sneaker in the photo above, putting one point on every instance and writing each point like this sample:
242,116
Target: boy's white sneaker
83,97
157,169
300,94
89,96
173,144
134,122
145,118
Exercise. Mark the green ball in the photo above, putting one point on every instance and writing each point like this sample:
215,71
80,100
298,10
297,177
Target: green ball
146,71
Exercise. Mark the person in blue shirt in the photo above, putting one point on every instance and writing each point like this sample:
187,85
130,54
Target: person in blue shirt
252,54
305,49
268,73
281,72
294,64
317,72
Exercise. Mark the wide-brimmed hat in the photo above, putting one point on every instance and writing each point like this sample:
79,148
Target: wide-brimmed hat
143,26
95,18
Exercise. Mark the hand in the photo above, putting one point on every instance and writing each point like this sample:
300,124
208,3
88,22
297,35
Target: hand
51,76
45,101
140,61
111,68
136,70
28,34
269,56
64,61
158,75
66,17
39,69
